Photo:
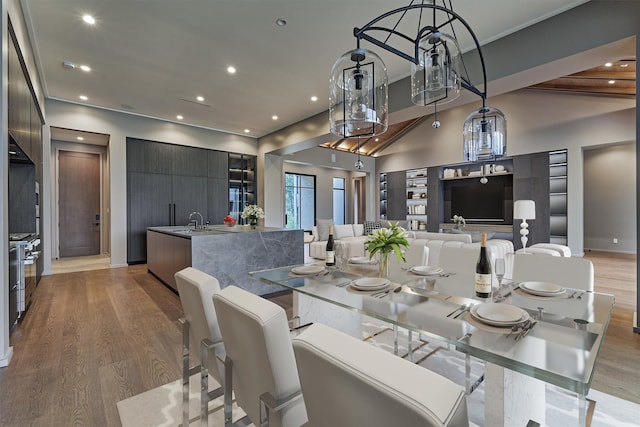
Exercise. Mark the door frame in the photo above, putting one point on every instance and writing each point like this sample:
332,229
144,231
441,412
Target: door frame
105,219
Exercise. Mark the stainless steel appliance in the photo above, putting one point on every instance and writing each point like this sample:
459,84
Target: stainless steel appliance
14,279
27,249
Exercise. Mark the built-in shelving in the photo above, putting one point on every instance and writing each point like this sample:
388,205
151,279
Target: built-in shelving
558,196
383,196
242,183
416,191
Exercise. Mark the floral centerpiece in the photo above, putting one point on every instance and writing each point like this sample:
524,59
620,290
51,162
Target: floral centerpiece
459,221
252,213
387,240
229,221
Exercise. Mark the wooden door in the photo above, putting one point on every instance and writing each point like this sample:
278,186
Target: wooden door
79,203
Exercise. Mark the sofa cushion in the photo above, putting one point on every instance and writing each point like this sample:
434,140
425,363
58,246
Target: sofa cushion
369,226
342,231
323,228
358,230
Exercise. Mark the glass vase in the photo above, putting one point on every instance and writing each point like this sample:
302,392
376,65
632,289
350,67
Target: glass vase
383,265
253,222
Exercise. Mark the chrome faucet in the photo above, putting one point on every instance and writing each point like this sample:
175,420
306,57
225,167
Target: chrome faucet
196,220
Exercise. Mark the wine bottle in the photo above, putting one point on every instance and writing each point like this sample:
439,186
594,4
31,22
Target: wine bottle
483,270
330,256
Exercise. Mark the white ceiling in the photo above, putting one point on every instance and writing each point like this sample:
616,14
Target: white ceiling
153,57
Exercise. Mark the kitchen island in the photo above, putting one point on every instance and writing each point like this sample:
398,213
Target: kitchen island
226,253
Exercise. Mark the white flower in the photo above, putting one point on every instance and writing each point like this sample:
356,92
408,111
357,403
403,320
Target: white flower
252,212
459,220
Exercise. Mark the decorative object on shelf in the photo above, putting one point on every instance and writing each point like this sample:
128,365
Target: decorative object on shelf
524,210
459,222
229,221
384,241
252,213
358,85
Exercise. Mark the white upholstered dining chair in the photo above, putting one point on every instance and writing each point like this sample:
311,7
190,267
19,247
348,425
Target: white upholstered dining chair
199,324
347,382
260,366
572,272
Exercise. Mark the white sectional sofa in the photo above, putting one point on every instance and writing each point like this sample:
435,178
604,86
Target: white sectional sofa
350,233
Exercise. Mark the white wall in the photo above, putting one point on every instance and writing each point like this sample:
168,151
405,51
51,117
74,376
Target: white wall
120,126
536,121
610,198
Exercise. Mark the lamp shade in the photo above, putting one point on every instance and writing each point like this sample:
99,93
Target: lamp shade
484,135
524,209
436,76
358,92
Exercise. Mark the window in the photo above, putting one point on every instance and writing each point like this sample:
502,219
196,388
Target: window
338,201
300,201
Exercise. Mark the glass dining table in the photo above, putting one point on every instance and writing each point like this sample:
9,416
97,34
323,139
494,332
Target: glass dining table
556,339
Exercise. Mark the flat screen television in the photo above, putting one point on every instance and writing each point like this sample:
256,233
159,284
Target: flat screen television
489,203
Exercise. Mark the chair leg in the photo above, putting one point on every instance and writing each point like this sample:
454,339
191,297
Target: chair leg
185,371
228,392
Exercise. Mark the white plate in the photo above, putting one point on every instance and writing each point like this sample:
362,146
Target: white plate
544,289
308,269
425,270
499,314
370,283
360,260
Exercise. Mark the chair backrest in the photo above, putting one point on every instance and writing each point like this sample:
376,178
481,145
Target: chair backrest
417,252
196,289
436,245
256,337
461,259
347,382
572,272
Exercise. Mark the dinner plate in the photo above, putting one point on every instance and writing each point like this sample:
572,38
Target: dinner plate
425,270
370,283
308,269
360,260
499,314
544,289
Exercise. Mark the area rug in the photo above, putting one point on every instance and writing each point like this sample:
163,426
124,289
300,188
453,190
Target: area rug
162,406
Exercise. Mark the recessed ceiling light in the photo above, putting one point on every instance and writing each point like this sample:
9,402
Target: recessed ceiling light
84,97
624,65
200,98
377,139
281,22
79,138
608,64
179,117
247,131
274,117
611,82
314,98
85,68
89,19
231,70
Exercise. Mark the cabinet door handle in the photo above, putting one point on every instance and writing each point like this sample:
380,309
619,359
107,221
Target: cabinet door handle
174,215
170,217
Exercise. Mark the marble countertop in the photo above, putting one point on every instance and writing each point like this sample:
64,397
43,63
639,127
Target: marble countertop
212,230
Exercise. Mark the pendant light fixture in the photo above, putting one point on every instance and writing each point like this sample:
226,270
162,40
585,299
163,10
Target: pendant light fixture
359,164
359,89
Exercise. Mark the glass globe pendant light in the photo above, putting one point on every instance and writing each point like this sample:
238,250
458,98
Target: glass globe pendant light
484,135
436,76
358,92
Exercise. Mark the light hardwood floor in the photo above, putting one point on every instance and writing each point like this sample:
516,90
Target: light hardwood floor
93,338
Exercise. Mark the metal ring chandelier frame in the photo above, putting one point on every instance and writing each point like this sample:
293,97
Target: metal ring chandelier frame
358,92
361,33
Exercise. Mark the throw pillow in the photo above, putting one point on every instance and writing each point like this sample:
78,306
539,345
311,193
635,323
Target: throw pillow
369,226
323,228
342,231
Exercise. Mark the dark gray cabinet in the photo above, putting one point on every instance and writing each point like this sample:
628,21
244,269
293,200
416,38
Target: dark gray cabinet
396,196
166,183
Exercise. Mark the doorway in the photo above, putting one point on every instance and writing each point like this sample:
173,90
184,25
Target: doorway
79,203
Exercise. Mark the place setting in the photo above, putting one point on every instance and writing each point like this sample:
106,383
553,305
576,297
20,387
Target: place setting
426,270
362,260
496,317
308,270
542,290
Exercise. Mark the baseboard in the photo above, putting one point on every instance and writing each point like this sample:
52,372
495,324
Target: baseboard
4,362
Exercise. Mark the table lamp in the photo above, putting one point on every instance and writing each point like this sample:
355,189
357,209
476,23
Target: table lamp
524,210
